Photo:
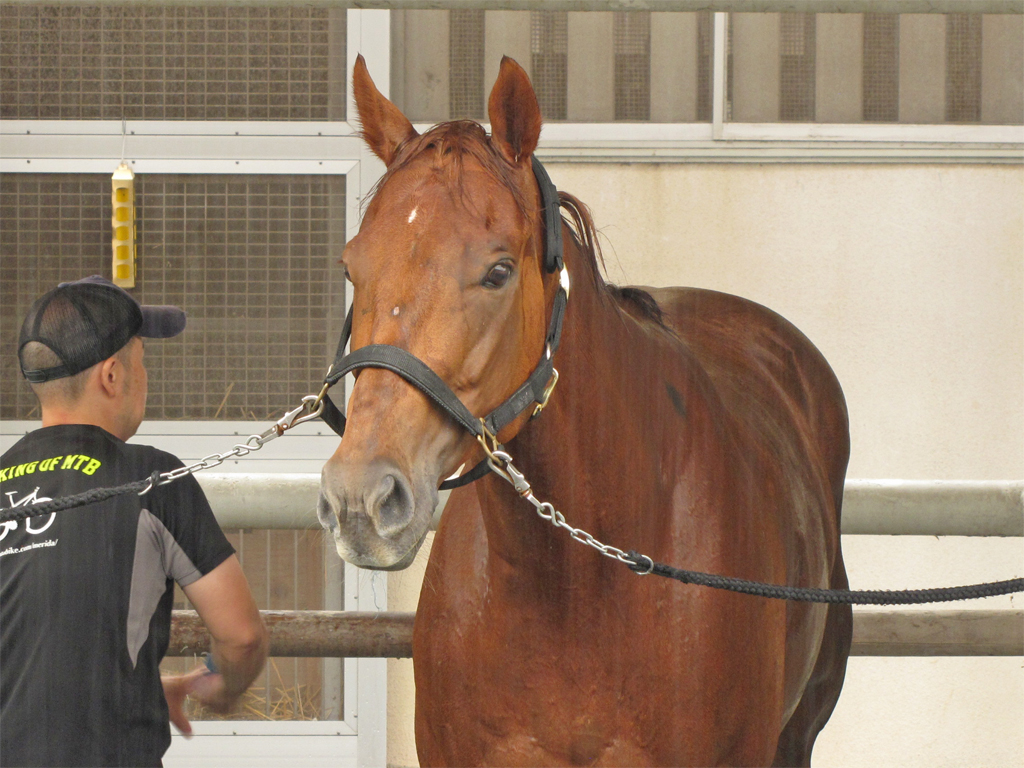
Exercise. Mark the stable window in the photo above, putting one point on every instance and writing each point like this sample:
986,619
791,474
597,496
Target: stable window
585,67
142,62
249,258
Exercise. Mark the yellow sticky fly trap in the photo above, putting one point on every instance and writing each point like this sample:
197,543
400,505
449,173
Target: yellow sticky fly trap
123,223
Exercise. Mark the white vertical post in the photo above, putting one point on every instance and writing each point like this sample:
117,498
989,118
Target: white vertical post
334,600
591,76
718,75
922,68
755,67
673,67
369,32
839,68
506,33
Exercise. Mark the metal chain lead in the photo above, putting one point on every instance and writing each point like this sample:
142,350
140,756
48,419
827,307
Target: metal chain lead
500,463
311,403
310,408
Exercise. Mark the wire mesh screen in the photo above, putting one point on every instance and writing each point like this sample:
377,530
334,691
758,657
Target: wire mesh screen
250,258
549,54
881,68
705,74
796,67
963,68
632,47
466,64
141,62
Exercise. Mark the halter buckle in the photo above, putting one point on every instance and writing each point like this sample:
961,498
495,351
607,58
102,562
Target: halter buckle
547,394
488,442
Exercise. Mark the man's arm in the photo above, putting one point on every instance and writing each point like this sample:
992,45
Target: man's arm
238,639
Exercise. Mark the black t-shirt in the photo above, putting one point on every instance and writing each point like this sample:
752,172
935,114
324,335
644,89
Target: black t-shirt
86,595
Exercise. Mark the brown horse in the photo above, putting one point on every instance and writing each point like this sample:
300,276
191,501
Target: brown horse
695,427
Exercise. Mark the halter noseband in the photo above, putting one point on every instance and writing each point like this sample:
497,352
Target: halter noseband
535,390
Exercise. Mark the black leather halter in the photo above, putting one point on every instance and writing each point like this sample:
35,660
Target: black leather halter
534,391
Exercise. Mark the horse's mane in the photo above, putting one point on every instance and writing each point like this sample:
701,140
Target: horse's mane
453,140
635,301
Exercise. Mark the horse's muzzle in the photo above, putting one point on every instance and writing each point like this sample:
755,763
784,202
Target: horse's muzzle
377,518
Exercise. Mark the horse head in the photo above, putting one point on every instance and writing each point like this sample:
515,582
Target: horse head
448,266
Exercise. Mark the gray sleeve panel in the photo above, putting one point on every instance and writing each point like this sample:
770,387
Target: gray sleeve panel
157,558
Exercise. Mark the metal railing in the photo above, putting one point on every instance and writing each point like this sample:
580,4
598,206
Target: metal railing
340,634
870,507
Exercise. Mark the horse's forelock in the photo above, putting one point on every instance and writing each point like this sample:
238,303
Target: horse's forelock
450,143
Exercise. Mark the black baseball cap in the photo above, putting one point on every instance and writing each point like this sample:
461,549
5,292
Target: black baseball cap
87,321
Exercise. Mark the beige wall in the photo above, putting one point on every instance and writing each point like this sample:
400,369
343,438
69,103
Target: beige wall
911,280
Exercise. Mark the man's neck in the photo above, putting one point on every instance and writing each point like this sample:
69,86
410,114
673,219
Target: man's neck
56,414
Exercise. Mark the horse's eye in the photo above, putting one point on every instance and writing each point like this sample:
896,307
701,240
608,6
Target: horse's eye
498,276
347,275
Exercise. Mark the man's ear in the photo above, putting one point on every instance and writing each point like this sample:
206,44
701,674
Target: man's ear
111,375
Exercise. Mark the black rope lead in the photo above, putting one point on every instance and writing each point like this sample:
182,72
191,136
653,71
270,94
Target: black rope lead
77,500
643,564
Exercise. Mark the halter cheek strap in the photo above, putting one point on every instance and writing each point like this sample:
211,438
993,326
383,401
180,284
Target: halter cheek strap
550,205
535,391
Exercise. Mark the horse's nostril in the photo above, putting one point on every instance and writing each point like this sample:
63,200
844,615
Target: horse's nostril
325,514
391,504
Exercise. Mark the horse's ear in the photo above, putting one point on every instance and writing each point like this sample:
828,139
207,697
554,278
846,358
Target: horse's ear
384,127
514,113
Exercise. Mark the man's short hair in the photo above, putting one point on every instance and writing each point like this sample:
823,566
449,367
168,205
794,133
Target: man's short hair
67,389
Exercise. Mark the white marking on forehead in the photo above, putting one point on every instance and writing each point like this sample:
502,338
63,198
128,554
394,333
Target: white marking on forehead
395,311
412,216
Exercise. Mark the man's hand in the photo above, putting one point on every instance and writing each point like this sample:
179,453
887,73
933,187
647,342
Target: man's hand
176,688
210,691
238,639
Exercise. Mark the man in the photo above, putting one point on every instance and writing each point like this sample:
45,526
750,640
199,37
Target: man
86,594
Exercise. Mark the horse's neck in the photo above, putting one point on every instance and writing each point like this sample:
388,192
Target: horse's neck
579,451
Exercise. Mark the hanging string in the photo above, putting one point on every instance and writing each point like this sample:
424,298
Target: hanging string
124,135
